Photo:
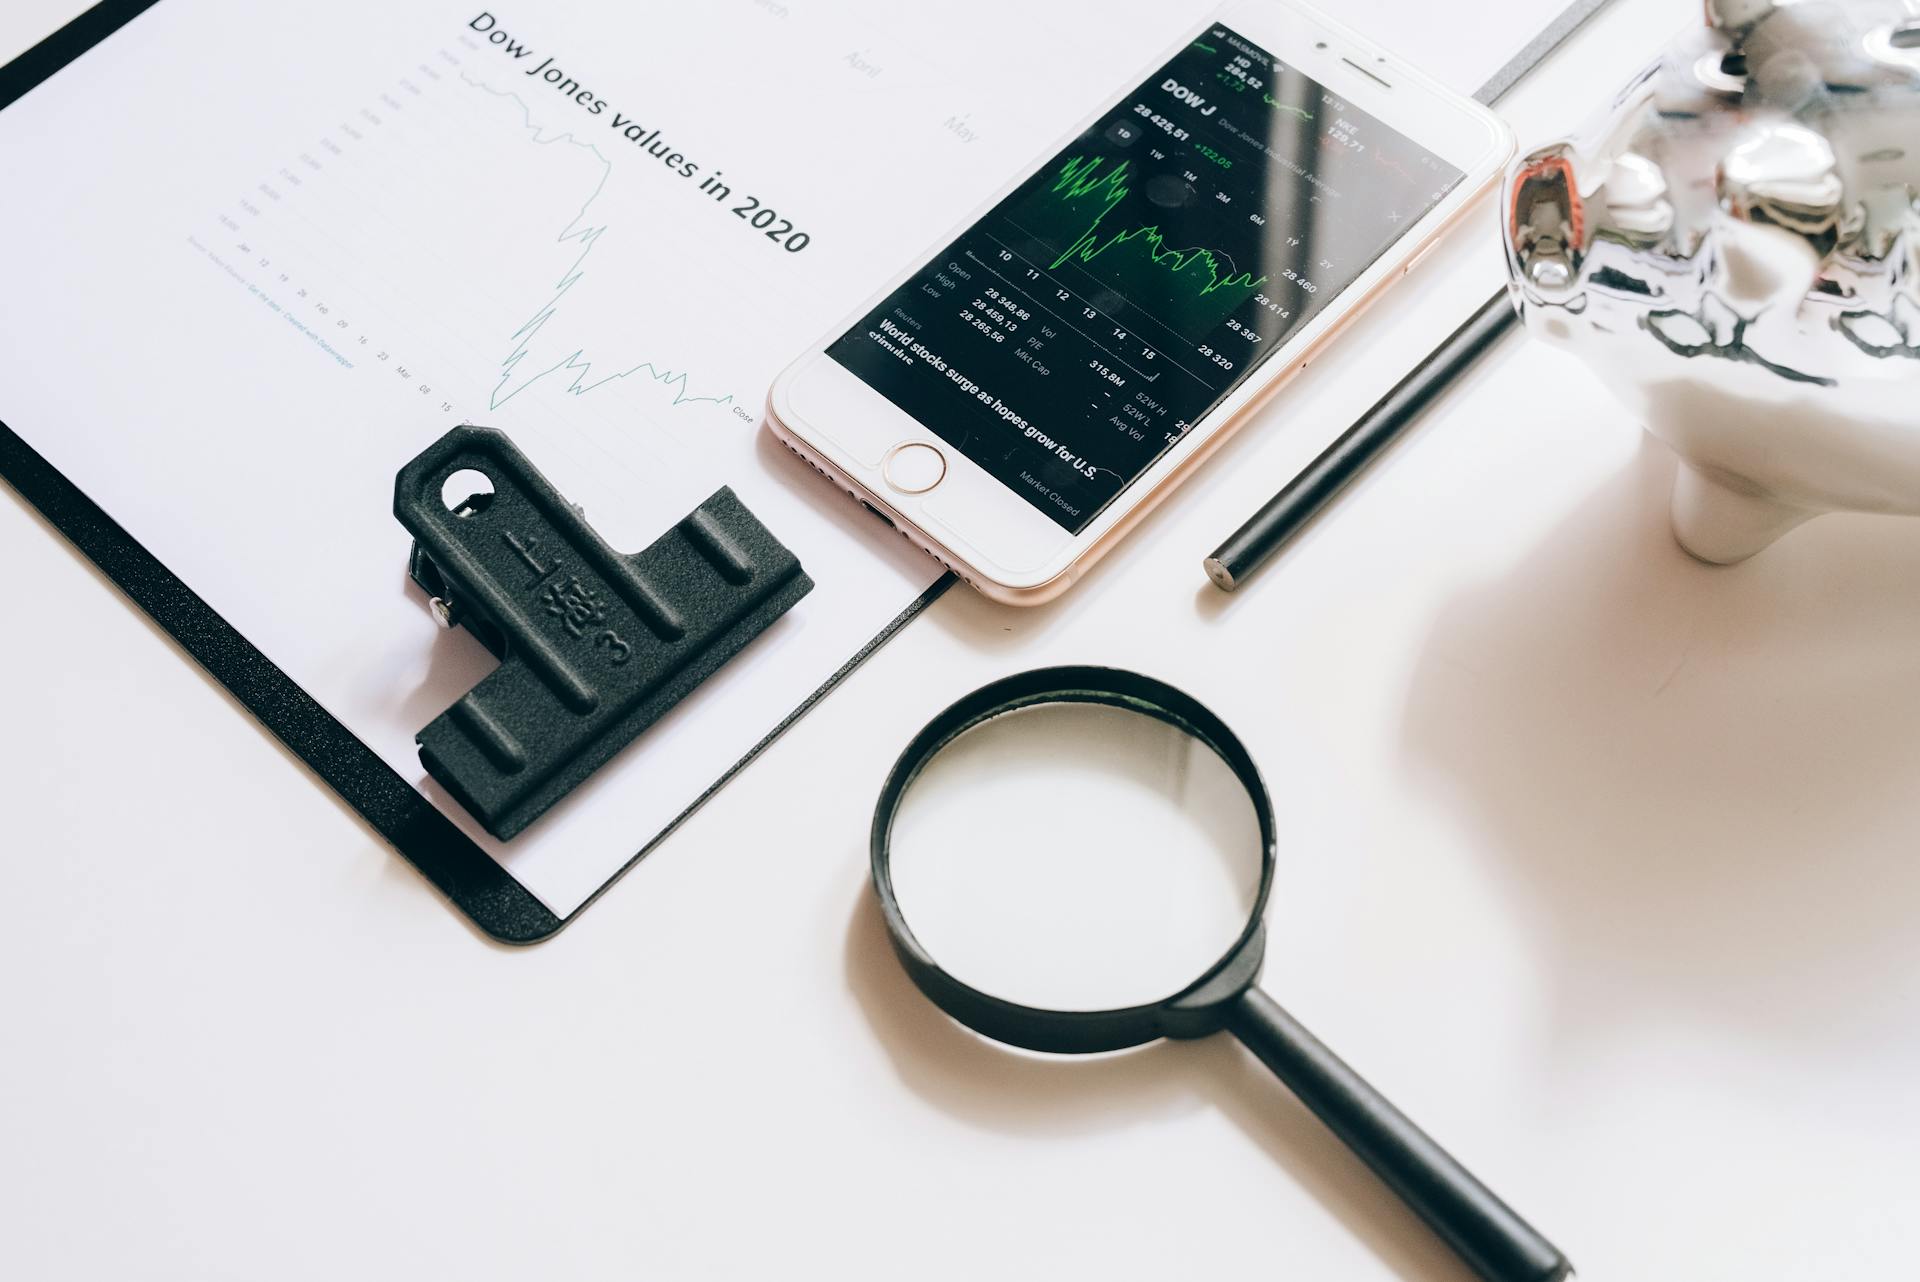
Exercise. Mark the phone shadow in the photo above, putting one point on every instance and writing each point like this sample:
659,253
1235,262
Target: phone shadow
1016,1092
1701,777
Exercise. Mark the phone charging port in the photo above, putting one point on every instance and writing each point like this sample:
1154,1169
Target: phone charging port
877,512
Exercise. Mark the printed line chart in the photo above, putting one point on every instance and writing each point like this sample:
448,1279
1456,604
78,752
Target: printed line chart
393,213
586,234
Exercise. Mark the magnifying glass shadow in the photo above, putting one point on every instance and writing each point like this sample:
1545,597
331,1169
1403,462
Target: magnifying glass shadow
1015,1092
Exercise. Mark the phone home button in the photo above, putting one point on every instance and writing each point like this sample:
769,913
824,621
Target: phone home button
914,468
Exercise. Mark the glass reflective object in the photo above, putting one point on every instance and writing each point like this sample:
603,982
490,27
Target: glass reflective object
1076,856
1734,246
1076,860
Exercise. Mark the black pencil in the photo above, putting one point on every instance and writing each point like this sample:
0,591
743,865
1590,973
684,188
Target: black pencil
1327,475
1250,545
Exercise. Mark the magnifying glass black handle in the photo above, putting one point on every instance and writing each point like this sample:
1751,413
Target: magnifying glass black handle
1495,1242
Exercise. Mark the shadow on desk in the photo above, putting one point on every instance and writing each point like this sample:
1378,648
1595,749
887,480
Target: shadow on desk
1705,781
1020,1093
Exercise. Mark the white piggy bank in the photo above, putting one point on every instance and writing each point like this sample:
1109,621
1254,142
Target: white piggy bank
1736,250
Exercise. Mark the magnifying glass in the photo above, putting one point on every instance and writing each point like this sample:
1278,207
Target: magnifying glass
1077,860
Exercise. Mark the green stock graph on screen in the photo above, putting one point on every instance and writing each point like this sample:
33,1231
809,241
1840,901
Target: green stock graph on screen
1127,286
1091,209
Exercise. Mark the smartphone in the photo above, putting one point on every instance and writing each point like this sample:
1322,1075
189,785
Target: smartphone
1019,400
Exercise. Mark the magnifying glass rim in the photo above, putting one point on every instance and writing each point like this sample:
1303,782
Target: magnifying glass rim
1192,1011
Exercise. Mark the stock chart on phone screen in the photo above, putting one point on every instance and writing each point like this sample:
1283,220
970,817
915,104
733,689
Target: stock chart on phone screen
1076,332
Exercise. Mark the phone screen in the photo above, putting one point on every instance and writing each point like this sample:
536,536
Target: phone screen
1076,332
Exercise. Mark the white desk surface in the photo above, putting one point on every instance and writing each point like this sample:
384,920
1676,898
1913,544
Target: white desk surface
1603,864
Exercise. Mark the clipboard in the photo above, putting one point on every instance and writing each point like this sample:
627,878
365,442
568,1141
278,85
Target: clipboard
488,893
481,57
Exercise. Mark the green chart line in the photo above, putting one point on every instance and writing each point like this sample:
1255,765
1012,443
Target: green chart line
1277,105
1080,178
579,231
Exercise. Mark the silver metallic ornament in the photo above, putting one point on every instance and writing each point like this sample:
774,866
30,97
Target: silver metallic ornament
1735,248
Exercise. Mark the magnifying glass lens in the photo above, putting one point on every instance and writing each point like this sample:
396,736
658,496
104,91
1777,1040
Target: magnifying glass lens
1082,851
1076,857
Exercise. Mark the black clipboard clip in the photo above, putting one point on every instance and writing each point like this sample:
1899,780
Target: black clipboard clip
594,645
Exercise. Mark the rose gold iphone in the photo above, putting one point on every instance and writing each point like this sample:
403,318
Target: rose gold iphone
1017,401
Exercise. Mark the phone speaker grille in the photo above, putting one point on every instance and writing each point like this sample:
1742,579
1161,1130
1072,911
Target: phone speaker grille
1368,74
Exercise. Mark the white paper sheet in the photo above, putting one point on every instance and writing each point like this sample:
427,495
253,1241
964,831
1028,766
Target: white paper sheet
254,258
